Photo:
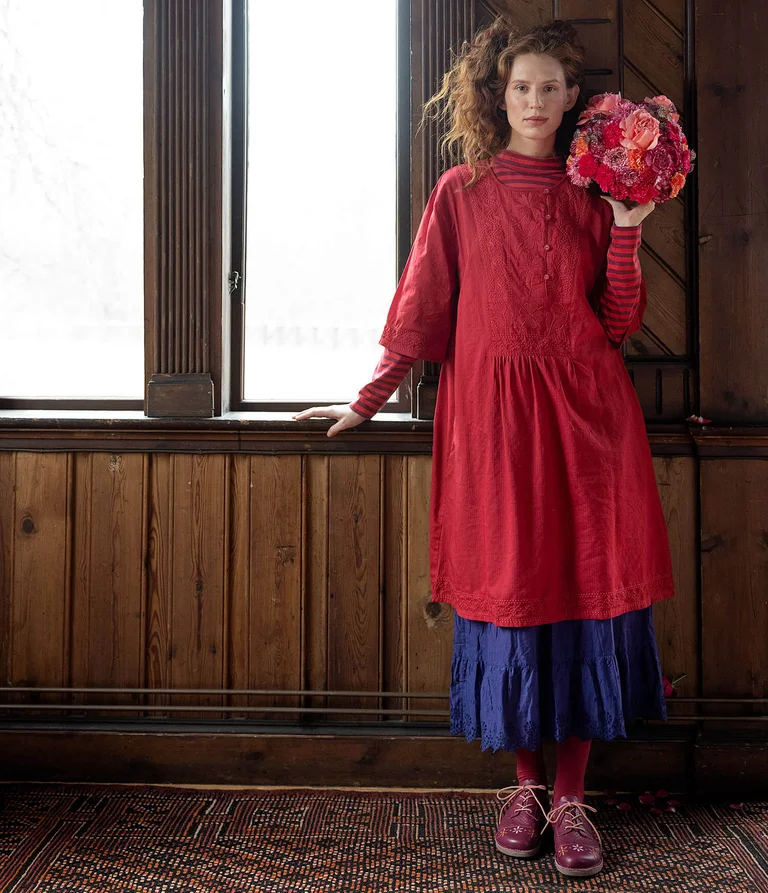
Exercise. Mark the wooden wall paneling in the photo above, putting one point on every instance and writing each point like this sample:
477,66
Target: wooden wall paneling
429,630
676,619
197,575
734,575
664,320
238,628
673,11
600,39
664,235
665,389
315,561
394,580
108,604
526,13
159,592
733,209
654,48
354,608
275,585
7,514
41,583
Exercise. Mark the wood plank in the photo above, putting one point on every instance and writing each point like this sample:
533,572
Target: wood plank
239,626
676,619
429,631
109,574
655,49
354,615
394,560
734,599
733,209
316,561
352,760
525,13
274,549
159,585
41,572
7,515
665,314
199,503
601,41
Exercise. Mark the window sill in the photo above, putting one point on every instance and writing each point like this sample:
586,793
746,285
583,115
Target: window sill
122,431
277,432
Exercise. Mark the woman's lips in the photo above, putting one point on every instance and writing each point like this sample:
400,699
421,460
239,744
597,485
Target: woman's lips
535,121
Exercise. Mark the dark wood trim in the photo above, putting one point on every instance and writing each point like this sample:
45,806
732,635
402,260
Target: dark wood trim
258,432
424,758
186,155
674,758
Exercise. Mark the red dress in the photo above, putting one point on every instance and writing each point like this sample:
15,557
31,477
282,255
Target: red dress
544,505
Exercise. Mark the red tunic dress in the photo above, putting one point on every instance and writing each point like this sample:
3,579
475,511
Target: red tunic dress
544,505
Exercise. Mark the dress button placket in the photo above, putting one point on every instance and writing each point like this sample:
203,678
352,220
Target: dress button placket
547,246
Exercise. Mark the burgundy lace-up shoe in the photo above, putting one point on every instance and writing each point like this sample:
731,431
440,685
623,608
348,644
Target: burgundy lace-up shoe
578,848
522,818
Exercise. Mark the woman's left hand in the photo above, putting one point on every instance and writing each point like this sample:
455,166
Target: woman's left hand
624,216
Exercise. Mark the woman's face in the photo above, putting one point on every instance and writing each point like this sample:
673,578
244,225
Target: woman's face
535,100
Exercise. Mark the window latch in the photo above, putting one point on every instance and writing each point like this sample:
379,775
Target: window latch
234,281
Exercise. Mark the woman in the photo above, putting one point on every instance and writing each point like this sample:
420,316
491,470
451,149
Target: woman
547,534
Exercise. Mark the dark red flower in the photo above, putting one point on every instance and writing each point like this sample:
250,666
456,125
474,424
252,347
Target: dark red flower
612,135
604,177
588,165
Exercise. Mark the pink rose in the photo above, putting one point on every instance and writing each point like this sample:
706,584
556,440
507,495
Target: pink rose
605,102
640,130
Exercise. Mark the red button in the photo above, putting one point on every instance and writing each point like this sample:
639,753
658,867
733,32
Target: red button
547,216
547,247
547,191
546,275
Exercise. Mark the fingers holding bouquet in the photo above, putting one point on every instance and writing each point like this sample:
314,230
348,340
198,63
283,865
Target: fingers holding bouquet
624,216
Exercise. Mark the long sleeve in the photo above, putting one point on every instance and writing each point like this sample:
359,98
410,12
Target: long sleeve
621,294
421,317
389,372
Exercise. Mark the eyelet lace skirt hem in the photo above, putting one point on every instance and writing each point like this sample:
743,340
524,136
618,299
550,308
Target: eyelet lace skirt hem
513,686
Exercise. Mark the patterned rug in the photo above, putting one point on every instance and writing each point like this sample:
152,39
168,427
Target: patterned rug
61,837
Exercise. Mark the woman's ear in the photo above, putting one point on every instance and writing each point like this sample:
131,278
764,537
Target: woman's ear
573,95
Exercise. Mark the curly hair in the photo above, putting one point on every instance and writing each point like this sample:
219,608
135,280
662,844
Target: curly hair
477,128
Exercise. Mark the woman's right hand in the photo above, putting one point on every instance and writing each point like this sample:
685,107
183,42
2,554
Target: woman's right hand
347,417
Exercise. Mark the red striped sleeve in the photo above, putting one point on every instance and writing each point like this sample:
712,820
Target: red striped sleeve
389,372
619,307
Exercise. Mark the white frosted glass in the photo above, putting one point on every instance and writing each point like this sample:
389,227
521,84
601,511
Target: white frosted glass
321,213
71,198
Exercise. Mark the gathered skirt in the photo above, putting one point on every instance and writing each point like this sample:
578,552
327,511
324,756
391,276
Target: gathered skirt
513,686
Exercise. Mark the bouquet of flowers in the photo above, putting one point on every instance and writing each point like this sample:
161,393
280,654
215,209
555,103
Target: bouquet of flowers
634,152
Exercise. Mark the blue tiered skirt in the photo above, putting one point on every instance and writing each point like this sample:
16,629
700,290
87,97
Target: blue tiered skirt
513,686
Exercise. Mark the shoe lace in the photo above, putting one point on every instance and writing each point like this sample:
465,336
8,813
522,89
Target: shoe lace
509,794
573,822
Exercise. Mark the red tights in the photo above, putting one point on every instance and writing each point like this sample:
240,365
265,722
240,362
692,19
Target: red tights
572,757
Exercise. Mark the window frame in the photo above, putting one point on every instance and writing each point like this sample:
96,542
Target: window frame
403,402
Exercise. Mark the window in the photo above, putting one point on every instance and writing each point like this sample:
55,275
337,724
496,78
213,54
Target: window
71,202
321,209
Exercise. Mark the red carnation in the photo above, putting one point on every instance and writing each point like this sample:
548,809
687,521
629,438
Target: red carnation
588,165
612,135
604,177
